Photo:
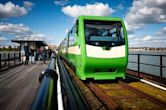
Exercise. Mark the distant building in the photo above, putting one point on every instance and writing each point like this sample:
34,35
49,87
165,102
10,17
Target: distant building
147,49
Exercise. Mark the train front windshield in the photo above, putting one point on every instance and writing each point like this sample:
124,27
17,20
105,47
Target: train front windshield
104,33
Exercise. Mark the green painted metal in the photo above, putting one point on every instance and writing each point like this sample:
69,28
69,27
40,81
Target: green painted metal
50,94
86,66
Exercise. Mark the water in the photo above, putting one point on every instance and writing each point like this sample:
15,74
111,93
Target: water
154,62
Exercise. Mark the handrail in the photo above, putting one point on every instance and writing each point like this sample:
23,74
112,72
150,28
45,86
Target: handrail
160,65
46,98
148,64
75,101
146,54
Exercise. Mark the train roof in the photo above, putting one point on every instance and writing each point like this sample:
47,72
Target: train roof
105,18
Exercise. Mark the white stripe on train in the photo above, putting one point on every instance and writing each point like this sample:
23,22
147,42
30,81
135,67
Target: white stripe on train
98,52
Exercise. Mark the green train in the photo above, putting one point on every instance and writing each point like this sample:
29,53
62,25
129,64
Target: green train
97,47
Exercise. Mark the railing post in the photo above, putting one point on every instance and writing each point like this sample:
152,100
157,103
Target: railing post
161,64
138,65
20,57
0,62
14,58
5,58
8,59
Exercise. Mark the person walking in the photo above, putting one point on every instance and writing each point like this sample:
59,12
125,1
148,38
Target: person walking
32,55
27,54
39,54
36,55
44,55
49,53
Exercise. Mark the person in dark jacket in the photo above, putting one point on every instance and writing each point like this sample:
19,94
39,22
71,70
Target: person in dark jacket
49,53
40,54
36,56
44,55
32,55
27,54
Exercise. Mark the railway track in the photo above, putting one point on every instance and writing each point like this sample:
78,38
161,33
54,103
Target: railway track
116,95
123,96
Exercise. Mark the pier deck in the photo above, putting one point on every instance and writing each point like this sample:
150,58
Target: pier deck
18,86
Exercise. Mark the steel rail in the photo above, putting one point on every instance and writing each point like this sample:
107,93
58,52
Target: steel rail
142,94
93,101
74,99
103,97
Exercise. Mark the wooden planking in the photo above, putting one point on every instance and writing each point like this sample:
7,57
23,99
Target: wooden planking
18,91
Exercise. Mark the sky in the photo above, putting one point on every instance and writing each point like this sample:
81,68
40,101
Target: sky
145,20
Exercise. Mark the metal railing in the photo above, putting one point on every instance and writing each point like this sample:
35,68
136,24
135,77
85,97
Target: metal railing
75,101
148,62
9,59
46,98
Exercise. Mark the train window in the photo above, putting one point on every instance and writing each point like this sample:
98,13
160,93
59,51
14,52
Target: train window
104,33
76,29
72,36
122,33
65,42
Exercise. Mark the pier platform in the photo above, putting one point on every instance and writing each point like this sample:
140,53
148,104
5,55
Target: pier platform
19,85
20,89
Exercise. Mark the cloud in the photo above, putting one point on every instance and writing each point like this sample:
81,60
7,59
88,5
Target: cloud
38,35
131,36
61,2
9,9
2,39
28,4
120,6
145,12
98,9
144,38
147,38
158,39
33,35
18,29
161,32
22,31
160,35
141,41
131,27
53,40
